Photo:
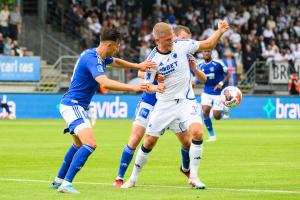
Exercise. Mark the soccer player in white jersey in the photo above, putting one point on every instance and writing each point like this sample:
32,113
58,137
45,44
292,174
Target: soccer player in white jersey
88,73
143,111
217,76
177,103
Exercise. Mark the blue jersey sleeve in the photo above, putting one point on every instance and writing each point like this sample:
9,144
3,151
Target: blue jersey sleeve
223,67
96,67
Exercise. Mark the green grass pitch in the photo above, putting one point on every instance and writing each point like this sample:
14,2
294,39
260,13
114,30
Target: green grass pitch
252,159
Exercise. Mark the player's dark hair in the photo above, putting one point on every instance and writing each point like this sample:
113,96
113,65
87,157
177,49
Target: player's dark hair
180,28
111,34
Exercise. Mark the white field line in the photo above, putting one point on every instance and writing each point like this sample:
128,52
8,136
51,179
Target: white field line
161,186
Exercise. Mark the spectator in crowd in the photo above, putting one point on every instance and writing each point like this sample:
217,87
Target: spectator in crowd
15,22
249,57
293,86
4,17
1,43
7,46
255,24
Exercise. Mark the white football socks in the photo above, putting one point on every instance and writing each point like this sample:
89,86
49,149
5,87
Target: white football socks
140,161
195,157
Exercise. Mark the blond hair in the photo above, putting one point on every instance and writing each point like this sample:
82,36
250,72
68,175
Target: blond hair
160,29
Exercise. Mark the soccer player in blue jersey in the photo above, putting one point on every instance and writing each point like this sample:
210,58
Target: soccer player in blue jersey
143,111
88,73
217,75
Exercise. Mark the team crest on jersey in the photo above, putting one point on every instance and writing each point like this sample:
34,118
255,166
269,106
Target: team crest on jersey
211,69
175,55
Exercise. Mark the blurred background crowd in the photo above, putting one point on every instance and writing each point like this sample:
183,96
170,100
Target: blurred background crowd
260,30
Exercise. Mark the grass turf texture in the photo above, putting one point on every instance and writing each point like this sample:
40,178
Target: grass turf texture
254,158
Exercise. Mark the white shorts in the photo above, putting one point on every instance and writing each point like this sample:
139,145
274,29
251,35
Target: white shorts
76,117
142,114
213,101
177,115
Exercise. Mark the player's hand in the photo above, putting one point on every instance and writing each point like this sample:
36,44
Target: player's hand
146,65
156,88
223,26
218,87
192,64
140,87
161,87
160,78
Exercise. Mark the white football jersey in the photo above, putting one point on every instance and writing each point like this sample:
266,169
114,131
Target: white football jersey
174,66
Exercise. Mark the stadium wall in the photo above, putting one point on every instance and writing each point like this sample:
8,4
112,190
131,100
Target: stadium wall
123,106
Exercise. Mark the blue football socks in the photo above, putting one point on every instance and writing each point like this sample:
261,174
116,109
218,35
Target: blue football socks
78,161
67,161
125,160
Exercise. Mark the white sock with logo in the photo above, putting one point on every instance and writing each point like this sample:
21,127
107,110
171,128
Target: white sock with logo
195,157
140,160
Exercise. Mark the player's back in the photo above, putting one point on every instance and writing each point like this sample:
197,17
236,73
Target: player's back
215,72
83,84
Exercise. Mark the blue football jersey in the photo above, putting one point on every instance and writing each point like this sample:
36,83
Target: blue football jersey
150,98
83,84
215,72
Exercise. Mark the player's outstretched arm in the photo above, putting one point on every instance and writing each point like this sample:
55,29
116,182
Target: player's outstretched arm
118,86
212,41
143,66
198,73
156,88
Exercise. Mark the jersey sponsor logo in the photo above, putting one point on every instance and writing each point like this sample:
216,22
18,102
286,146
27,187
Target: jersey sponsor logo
168,69
210,76
109,109
144,112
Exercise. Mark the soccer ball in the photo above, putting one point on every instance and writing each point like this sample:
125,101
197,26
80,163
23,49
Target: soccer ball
231,96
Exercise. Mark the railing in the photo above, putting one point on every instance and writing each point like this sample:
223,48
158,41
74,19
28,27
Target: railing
247,84
51,49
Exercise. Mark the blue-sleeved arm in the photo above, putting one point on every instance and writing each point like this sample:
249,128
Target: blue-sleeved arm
96,67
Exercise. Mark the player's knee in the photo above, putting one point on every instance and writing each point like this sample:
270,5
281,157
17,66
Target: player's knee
150,142
196,132
217,114
217,117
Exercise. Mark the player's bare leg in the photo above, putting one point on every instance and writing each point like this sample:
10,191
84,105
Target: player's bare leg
196,132
141,160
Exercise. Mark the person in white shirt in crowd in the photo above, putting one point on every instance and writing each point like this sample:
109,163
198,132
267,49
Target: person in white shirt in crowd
4,17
